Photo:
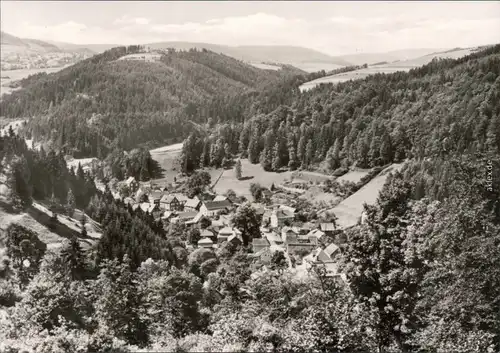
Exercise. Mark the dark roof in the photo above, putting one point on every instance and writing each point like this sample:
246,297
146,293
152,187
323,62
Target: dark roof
217,205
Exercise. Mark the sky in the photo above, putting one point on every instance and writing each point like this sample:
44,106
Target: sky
335,28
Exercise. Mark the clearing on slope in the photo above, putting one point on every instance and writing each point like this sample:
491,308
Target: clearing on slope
349,211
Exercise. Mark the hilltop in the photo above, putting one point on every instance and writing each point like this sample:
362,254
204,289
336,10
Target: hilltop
104,102
303,58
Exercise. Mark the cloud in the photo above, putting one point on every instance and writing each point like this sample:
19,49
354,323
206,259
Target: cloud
339,34
127,20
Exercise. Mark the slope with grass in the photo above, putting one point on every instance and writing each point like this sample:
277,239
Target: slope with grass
349,211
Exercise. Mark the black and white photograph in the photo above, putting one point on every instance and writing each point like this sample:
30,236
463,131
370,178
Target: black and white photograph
250,176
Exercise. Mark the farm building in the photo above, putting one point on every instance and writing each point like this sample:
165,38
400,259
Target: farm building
211,208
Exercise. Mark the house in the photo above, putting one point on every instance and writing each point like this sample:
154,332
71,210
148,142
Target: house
259,244
331,250
132,184
155,197
328,228
185,216
273,238
211,208
196,218
301,245
205,243
264,255
167,215
235,239
227,232
318,234
170,203
205,233
193,204
288,234
181,198
280,218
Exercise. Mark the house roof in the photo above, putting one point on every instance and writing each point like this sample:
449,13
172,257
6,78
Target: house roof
186,215
226,231
130,180
156,195
327,227
322,256
167,214
260,241
206,233
193,203
234,237
168,198
331,249
219,198
316,233
272,237
180,197
205,241
217,205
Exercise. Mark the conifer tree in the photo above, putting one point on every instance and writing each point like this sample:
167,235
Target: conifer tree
237,169
70,203
276,164
309,157
74,257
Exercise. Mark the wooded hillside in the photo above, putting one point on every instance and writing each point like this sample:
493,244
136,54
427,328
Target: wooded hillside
100,103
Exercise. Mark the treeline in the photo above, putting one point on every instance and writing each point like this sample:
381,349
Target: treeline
100,104
42,175
444,107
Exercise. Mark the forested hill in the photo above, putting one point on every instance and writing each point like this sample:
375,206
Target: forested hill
103,102
445,107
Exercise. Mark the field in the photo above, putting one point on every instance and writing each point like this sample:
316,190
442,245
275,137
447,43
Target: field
166,156
352,75
353,175
266,66
403,65
9,76
349,211
251,173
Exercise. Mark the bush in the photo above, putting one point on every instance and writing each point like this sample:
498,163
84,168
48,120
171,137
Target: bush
9,294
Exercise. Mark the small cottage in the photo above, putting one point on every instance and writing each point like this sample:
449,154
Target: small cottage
280,218
205,243
170,203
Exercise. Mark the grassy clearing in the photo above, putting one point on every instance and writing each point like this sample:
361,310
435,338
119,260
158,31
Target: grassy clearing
166,157
349,210
251,173
354,175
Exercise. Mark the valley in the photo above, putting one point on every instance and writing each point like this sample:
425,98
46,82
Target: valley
223,199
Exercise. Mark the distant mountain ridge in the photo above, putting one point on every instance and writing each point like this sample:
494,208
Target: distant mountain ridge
34,45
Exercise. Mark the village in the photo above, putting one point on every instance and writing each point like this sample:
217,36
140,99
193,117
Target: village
305,244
